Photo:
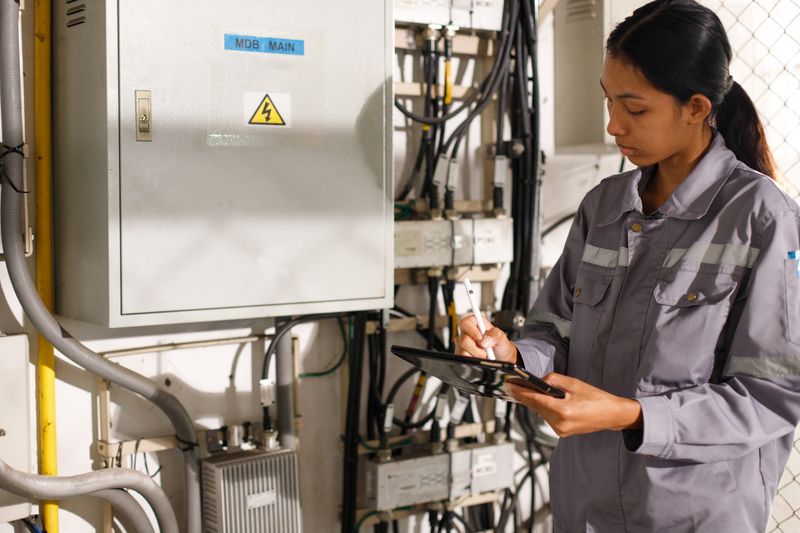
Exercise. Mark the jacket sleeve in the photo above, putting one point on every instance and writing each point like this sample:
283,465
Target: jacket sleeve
758,399
543,343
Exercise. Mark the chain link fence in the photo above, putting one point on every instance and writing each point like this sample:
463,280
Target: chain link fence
765,37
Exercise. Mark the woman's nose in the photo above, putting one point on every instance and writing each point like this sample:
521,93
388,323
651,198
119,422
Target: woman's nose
615,127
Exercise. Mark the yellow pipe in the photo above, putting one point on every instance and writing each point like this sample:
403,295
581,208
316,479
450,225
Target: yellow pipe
44,248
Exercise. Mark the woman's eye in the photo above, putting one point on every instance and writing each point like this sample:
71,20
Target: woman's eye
635,113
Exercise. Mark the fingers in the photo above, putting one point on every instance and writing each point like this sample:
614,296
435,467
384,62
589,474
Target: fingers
535,400
493,337
468,346
469,326
560,381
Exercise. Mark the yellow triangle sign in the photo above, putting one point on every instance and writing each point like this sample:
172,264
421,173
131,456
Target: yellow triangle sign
267,114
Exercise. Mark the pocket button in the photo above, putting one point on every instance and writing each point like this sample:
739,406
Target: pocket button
692,296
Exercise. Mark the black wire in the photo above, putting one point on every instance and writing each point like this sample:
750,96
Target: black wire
438,342
501,64
531,33
283,330
414,177
9,150
552,227
390,399
31,525
458,517
433,300
371,416
351,435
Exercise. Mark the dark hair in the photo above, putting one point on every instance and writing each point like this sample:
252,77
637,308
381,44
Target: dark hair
682,49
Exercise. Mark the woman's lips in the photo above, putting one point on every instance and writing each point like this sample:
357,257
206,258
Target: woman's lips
626,151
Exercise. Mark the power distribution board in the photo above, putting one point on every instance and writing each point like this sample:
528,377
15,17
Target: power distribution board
232,164
428,243
470,470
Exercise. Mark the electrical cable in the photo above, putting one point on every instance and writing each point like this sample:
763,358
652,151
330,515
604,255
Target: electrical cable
415,171
31,525
552,227
459,518
485,88
438,343
526,198
390,399
283,330
351,435
339,361
25,288
501,63
370,514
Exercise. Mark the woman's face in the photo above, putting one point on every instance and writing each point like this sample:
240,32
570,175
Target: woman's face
648,125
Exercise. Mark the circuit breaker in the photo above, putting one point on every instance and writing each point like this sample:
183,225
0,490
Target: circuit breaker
231,162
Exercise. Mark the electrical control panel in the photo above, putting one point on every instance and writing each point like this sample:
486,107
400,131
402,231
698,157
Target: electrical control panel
231,164
406,482
428,243
475,14
470,470
481,468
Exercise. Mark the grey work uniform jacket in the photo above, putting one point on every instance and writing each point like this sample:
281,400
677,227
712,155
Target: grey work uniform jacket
694,311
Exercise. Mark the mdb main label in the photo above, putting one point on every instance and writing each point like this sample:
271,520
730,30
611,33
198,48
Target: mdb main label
265,45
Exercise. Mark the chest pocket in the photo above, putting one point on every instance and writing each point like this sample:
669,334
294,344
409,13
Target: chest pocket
692,289
687,321
590,299
792,299
591,287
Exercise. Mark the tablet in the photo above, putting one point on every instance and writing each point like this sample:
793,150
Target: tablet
472,375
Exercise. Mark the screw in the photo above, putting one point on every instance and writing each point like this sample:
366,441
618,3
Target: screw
2,432
143,118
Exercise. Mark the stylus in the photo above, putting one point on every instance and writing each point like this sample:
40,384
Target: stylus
476,311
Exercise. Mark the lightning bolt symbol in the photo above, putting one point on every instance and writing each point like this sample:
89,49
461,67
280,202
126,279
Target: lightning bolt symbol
266,111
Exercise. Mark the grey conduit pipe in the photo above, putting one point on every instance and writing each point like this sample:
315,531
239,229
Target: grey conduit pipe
63,487
25,289
127,510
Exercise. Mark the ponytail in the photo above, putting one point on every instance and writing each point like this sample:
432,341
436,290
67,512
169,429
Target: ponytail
737,121
682,49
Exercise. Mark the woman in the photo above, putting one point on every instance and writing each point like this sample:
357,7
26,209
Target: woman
672,318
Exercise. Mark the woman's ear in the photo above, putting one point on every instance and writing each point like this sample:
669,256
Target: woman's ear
698,109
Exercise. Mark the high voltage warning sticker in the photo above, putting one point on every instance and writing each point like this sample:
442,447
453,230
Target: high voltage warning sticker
266,114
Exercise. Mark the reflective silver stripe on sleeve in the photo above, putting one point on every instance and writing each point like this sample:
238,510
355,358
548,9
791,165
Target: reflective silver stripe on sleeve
543,317
773,367
604,257
713,254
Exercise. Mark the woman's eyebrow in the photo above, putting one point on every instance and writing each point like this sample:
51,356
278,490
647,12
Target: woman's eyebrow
623,96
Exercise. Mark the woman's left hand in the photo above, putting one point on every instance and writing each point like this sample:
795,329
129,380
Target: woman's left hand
585,409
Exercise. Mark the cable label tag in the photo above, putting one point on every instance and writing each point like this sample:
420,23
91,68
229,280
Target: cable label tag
457,413
441,169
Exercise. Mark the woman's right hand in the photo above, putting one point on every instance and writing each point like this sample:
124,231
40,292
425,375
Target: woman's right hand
470,342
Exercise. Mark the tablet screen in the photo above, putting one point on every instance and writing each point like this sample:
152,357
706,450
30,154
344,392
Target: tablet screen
471,375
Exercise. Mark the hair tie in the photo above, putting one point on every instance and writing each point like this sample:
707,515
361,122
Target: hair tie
729,84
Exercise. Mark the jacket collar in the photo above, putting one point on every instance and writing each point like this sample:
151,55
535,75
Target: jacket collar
693,197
